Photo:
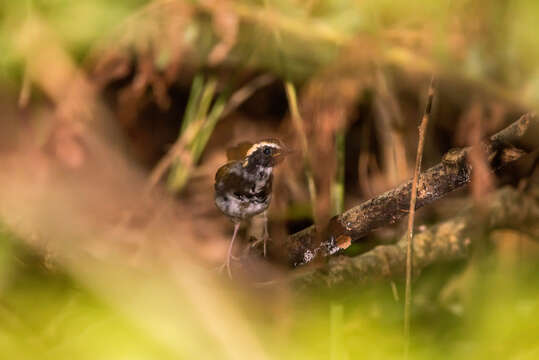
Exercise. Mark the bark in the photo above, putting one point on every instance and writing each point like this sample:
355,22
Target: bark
447,241
453,172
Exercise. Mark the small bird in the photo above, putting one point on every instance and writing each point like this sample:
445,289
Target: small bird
243,184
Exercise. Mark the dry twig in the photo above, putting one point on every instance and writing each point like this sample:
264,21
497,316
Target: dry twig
411,217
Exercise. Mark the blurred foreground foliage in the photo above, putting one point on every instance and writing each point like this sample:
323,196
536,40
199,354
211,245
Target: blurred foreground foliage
487,41
46,314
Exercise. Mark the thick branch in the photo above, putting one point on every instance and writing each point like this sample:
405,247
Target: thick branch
447,241
506,146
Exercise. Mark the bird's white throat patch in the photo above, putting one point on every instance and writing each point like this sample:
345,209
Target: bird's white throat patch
262,175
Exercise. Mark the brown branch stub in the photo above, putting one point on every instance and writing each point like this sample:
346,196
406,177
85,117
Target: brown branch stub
454,171
446,241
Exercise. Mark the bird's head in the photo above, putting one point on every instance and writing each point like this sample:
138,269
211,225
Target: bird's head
265,153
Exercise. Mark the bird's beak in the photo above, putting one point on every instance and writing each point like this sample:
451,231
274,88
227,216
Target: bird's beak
281,154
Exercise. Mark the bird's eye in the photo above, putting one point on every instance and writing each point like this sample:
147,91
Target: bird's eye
267,151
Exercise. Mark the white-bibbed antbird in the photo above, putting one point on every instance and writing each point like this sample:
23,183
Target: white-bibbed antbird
243,184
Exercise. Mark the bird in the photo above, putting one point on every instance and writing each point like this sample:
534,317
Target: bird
243,186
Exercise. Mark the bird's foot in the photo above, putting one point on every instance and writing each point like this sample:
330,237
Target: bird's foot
263,240
225,265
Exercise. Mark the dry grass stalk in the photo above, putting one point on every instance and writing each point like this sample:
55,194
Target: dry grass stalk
299,126
411,216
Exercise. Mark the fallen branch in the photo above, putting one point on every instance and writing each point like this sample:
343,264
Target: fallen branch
503,148
447,241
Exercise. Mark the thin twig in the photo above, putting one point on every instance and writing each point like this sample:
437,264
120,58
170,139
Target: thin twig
245,92
411,216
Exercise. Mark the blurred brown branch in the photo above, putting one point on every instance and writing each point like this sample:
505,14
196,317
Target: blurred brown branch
446,241
506,146
78,112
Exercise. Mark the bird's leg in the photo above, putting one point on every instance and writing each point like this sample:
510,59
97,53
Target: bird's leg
229,253
265,235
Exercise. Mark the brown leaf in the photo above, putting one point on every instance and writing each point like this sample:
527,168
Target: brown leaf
344,241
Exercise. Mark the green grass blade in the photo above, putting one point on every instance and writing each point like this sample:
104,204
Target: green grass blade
337,191
192,103
201,117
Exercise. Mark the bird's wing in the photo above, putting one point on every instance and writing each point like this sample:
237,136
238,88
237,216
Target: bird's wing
229,177
222,172
238,151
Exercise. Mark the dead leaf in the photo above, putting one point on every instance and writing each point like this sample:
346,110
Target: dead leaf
344,241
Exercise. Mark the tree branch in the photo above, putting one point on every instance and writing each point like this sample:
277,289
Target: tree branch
447,241
503,148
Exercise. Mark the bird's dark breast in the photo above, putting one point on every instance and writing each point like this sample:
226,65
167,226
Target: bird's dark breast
240,206
259,198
